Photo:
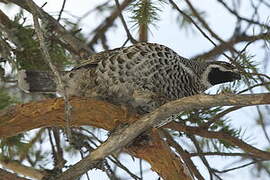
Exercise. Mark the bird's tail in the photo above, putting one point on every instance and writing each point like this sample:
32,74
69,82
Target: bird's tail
36,81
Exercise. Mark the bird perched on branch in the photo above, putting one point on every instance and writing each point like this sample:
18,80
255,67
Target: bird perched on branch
144,75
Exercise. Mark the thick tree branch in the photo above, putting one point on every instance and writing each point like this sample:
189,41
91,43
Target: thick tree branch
104,115
21,169
157,153
10,176
24,117
128,134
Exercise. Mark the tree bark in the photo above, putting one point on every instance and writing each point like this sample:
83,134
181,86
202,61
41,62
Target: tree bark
100,114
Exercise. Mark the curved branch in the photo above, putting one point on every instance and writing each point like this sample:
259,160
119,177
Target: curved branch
126,135
104,115
219,49
21,169
50,112
221,135
85,112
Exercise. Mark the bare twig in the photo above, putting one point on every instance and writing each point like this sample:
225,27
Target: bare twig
113,158
92,10
267,4
120,165
197,26
225,46
235,168
57,151
124,24
219,115
193,22
47,58
203,22
220,154
240,17
61,11
203,158
184,155
107,23
262,123
256,85
220,135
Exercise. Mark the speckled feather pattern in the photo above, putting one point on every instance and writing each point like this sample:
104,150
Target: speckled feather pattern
141,77
144,74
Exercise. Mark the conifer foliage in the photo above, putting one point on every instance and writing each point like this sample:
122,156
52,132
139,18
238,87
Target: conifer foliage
103,136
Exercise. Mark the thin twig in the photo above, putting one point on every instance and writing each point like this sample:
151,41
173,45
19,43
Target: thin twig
219,115
87,175
220,154
61,11
254,14
91,11
256,85
204,160
240,17
197,26
52,146
225,46
206,26
47,58
113,158
235,168
262,123
222,136
141,169
60,161
193,22
124,23
184,155
120,165
107,23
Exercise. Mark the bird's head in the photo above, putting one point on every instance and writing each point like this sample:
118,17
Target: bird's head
218,72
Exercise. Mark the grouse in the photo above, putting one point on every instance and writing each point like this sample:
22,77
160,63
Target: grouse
144,75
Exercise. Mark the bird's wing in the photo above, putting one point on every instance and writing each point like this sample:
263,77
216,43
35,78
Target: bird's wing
93,60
